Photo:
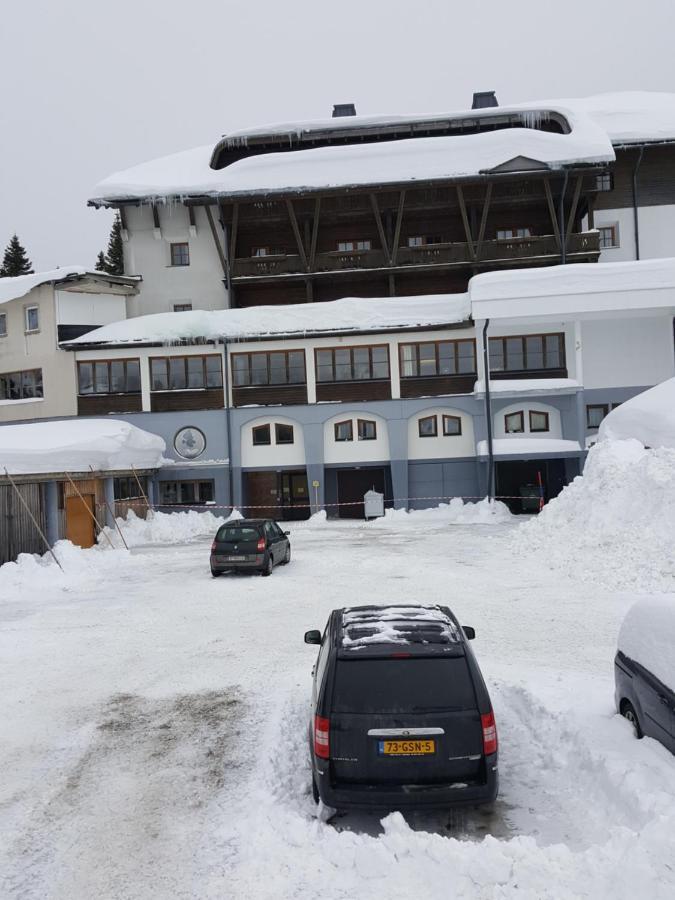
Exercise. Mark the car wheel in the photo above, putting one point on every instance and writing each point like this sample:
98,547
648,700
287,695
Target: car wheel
268,567
628,712
315,790
215,573
287,557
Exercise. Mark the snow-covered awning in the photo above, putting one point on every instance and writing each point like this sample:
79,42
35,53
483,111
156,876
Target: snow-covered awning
14,288
530,448
529,386
76,445
348,315
648,418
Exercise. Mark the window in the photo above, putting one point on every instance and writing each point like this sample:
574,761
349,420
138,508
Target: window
3,324
180,254
508,234
354,246
527,352
127,488
109,376
514,423
604,182
24,385
181,373
32,315
260,369
261,435
609,236
344,431
367,429
538,420
427,426
182,307
595,413
267,251
452,426
283,434
438,358
352,363
423,240
185,493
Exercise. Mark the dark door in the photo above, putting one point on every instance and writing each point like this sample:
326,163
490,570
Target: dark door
352,484
294,496
524,482
261,495
79,520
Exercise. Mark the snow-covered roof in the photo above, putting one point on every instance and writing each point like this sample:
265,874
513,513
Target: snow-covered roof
649,418
73,445
576,288
389,162
14,288
347,315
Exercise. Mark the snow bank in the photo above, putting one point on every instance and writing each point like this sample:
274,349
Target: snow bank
457,512
167,528
615,523
348,314
13,288
649,418
73,445
32,571
648,637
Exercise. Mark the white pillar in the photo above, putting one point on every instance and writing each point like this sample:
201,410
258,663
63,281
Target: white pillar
578,353
394,370
311,374
145,382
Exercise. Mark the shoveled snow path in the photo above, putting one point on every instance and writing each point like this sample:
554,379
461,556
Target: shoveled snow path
154,731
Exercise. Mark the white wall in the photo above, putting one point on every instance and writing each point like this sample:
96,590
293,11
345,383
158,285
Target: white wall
624,219
355,451
81,308
554,424
147,253
441,446
272,454
627,352
657,231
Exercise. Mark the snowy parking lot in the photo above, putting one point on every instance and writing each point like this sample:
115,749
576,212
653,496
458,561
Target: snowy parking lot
154,727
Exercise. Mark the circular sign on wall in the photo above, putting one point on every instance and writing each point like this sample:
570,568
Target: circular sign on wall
189,442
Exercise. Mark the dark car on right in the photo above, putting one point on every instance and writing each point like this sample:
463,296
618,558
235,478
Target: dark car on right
401,717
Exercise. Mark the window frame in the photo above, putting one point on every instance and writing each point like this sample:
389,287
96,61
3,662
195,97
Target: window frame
361,429
612,227
447,417
538,412
277,426
267,353
604,181
26,310
3,327
351,349
510,415
175,254
595,406
108,362
431,434
17,375
562,359
455,342
198,483
182,307
350,437
261,429
205,375
354,245
500,234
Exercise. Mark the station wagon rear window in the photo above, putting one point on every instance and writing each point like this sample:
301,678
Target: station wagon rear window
237,534
418,684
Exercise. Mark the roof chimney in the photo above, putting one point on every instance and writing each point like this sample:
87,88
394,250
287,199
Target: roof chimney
343,109
483,99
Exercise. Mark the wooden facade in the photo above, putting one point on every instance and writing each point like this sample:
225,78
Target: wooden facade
269,395
102,404
437,385
18,534
175,401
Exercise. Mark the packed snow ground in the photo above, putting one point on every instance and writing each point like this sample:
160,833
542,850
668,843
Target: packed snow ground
154,743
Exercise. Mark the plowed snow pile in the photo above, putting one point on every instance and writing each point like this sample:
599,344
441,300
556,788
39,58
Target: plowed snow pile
614,524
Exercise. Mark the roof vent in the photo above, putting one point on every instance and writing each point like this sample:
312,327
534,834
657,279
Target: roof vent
343,109
484,99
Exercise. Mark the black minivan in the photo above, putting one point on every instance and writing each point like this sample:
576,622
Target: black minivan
249,545
401,716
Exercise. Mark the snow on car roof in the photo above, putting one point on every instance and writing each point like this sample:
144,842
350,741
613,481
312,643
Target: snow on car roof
647,636
366,626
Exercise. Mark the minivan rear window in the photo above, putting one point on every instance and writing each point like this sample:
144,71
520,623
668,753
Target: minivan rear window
418,684
237,533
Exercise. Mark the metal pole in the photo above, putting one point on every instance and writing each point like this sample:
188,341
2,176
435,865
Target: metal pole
112,514
107,536
140,488
488,413
636,223
33,519
561,213
230,485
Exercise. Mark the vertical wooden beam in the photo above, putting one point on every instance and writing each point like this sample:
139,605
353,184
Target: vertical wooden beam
551,210
465,221
234,228
397,229
191,215
315,234
155,215
216,239
309,290
392,285
296,232
591,212
483,219
380,226
573,207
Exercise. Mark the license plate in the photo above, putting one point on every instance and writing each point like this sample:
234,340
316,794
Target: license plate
406,748
235,559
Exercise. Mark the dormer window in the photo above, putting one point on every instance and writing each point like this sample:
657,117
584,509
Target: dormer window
354,246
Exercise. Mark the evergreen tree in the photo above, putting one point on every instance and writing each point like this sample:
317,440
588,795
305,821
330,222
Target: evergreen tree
101,263
115,254
15,261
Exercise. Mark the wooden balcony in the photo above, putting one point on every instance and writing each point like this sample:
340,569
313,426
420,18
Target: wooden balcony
517,251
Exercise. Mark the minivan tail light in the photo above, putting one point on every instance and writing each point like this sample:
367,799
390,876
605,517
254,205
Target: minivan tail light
260,547
213,546
321,739
489,733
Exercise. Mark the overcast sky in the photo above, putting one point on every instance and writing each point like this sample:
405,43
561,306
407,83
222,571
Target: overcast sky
89,88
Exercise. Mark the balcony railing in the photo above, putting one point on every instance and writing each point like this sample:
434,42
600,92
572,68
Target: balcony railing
514,250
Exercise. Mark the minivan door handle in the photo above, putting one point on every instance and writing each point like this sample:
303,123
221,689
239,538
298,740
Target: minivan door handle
664,700
403,732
